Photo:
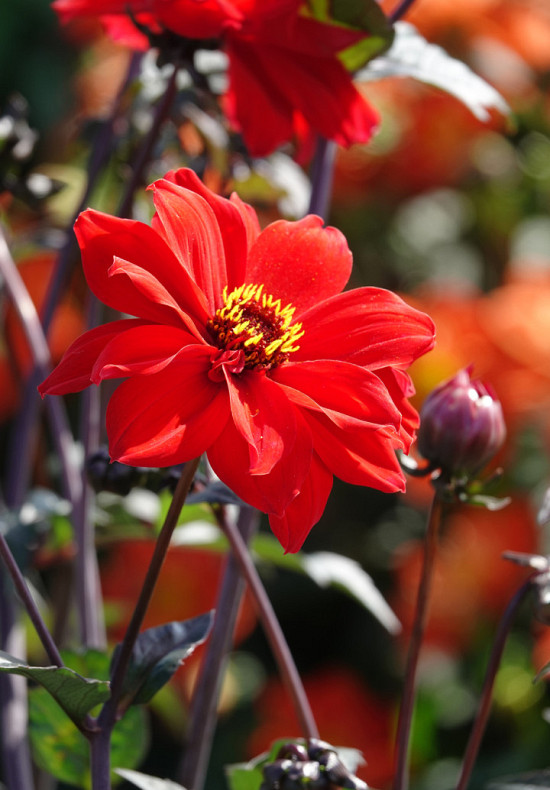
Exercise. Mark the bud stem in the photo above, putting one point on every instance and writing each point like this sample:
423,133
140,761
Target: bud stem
409,691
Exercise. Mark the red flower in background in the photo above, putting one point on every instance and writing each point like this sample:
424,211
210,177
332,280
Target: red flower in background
245,348
284,66
194,573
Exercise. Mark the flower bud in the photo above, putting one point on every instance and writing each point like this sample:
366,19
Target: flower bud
461,426
315,767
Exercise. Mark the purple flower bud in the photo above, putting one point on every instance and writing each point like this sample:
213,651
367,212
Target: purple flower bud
461,426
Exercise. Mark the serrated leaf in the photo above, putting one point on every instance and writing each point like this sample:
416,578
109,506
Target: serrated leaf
146,782
158,653
61,750
412,56
75,694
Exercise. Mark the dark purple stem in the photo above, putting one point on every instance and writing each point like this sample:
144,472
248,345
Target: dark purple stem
274,633
87,584
404,724
16,759
41,355
321,177
108,714
29,604
144,155
478,728
24,433
100,741
400,11
99,156
202,716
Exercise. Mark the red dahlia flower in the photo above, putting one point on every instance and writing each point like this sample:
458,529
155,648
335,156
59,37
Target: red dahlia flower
244,348
285,66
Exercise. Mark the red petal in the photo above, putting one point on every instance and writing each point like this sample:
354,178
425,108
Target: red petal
102,238
301,262
319,88
203,19
168,417
191,230
292,528
362,457
273,492
75,369
254,103
265,418
350,396
237,221
366,326
143,349
401,388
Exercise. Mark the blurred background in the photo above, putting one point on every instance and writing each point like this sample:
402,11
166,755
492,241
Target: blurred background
448,211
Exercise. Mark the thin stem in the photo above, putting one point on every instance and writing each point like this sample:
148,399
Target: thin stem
478,728
107,716
87,584
100,759
274,633
30,322
400,11
202,717
16,760
144,154
24,433
409,690
29,604
321,177
102,149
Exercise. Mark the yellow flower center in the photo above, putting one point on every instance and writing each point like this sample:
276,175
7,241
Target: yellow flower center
254,322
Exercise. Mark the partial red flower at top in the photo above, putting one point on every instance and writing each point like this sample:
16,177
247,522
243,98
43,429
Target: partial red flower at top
244,348
285,66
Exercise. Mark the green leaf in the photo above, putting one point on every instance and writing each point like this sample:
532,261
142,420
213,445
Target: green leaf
158,653
412,56
61,750
366,18
75,694
145,782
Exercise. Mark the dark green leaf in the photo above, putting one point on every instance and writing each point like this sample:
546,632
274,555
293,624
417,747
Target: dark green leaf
74,693
412,56
158,653
61,750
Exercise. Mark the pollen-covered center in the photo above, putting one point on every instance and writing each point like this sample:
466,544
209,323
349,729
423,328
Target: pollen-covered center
254,322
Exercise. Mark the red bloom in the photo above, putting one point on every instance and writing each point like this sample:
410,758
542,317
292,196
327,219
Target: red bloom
245,348
284,67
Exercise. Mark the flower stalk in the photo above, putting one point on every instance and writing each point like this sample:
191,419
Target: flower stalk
274,633
322,172
480,722
404,724
202,716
